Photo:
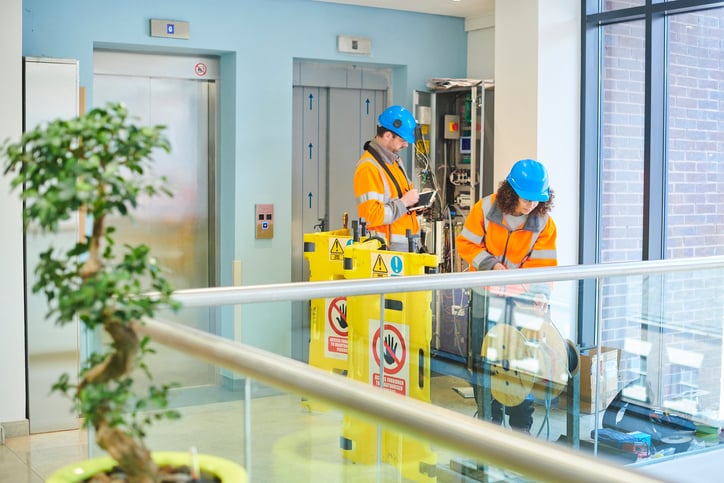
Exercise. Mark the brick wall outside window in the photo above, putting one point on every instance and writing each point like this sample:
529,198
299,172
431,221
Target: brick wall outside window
693,304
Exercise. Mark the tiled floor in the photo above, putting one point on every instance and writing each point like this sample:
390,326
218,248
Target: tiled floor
289,442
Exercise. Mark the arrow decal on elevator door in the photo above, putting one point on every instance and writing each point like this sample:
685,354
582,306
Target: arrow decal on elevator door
311,97
367,102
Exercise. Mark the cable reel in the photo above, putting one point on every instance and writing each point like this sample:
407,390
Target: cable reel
536,361
510,356
552,350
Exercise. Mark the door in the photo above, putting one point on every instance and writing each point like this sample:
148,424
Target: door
352,121
180,93
51,92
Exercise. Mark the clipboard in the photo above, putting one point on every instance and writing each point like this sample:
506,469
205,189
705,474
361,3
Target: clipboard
427,198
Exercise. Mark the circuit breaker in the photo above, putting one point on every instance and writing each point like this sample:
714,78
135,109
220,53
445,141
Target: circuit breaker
451,126
264,220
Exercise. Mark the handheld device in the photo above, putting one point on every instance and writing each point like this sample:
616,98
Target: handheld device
427,198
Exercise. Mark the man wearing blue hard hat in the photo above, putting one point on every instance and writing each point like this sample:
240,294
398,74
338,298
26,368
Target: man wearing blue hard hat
382,188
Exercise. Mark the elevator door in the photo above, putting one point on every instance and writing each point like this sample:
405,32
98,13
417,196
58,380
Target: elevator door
167,90
330,127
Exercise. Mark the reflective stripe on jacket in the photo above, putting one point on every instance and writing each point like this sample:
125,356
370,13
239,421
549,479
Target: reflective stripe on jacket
378,202
486,240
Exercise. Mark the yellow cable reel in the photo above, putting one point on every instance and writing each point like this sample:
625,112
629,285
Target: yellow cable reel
511,359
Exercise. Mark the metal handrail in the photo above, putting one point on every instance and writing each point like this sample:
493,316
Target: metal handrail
331,288
487,443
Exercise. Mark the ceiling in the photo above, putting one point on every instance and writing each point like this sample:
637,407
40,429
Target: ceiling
454,8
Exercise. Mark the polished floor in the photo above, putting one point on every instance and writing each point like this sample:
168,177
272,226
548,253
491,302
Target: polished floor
290,443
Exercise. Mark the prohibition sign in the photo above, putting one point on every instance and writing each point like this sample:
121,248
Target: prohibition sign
398,359
337,316
200,69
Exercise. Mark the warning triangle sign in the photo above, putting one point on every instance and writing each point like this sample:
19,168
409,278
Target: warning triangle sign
336,248
379,266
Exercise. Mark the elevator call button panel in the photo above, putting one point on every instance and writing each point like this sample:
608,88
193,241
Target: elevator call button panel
264,220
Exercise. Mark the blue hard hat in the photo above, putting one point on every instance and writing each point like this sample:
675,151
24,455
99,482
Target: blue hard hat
529,179
400,121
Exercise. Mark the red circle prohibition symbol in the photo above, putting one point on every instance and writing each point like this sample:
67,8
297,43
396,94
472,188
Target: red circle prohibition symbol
200,69
398,362
338,311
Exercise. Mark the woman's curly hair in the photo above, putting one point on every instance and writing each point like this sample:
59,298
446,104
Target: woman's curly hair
507,201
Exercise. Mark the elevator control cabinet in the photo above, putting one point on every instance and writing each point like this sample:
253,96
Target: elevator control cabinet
454,155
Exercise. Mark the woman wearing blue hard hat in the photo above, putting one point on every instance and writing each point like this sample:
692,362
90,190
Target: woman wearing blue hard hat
382,188
510,229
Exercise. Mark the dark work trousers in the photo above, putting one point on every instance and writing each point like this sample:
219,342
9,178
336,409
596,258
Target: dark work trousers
520,417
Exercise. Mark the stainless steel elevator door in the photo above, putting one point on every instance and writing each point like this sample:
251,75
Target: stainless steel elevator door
352,121
177,229
330,127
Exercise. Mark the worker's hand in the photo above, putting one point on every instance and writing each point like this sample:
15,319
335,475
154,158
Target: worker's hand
499,266
540,303
410,198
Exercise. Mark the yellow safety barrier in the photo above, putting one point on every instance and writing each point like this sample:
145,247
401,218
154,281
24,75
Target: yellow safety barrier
327,317
401,348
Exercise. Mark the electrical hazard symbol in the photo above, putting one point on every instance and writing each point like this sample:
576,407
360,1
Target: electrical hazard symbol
336,328
336,249
387,265
393,347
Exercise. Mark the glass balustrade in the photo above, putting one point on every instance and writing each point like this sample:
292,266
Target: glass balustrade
645,396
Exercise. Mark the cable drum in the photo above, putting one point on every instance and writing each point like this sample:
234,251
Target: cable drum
511,359
535,360
552,377
680,442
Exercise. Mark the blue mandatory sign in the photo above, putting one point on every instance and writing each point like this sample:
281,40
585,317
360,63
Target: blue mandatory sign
396,264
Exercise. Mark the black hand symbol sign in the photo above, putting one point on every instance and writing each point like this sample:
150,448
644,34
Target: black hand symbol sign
342,318
390,349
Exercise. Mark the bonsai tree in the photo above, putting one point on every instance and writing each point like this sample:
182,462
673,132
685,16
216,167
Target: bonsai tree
99,162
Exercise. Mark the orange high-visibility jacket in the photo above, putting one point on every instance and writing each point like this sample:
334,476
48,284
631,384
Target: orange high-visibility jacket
379,203
486,240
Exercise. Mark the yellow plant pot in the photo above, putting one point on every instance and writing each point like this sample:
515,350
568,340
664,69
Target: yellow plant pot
227,471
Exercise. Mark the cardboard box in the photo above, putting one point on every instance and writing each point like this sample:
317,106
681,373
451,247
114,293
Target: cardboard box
606,365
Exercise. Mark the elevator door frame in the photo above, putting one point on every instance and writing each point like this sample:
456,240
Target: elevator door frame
51,91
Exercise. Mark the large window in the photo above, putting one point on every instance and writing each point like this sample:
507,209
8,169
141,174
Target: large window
695,135
622,142
653,178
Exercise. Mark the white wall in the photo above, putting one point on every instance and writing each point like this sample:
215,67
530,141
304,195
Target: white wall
536,55
559,60
516,83
481,47
12,337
